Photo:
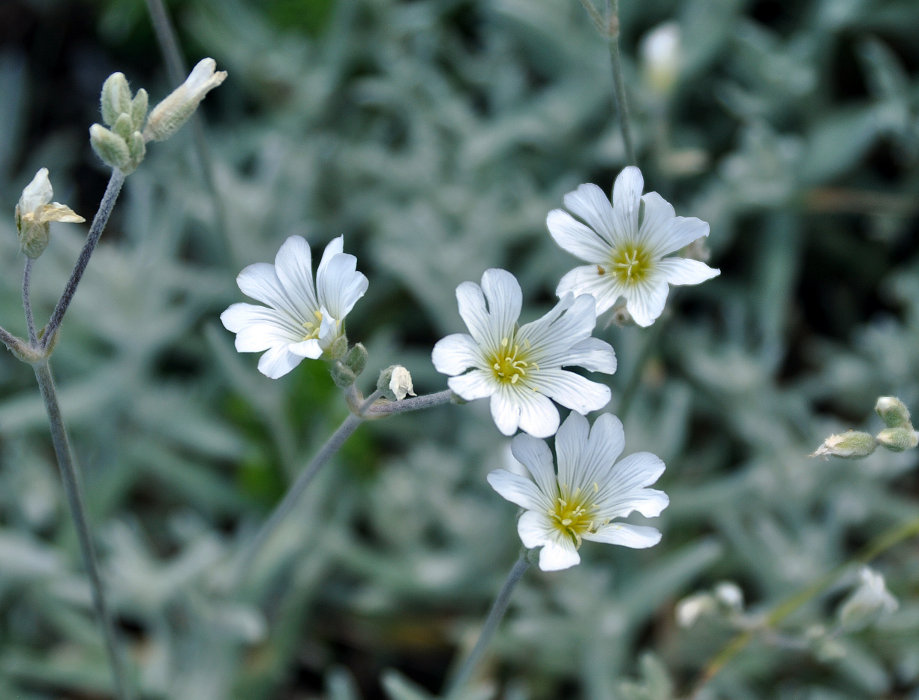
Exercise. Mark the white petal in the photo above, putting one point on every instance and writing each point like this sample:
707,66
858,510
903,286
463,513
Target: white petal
656,222
684,271
473,385
455,354
626,201
260,282
592,205
538,415
588,279
622,489
558,555
570,440
646,299
472,309
310,349
634,536
36,193
339,285
681,232
550,337
571,390
592,354
502,291
535,455
258,327
277,362
576,238
294,269
586,459
515,488
505,410
334,247
535,529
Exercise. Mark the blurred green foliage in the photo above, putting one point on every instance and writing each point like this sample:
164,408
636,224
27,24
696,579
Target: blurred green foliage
436,135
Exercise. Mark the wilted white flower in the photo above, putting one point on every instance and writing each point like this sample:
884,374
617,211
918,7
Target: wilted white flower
302,319
400,383
586,495
868,602
625,243
520,367
35,211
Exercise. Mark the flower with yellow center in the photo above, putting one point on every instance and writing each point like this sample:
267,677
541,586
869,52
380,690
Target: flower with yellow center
589,491
301,319
626,242
520,367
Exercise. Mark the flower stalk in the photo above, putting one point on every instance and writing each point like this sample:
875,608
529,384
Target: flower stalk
495,615
71,481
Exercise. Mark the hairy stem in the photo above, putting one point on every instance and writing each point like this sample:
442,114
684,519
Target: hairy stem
498,608
27,300
71,482
95,232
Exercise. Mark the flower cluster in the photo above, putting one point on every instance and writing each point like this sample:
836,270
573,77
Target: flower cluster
522,369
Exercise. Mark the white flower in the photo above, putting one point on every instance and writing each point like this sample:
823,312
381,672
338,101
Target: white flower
35,211
589,491
520,367
301,319
626,243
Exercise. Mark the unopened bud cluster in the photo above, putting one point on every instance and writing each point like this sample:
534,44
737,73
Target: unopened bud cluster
899,435
121,145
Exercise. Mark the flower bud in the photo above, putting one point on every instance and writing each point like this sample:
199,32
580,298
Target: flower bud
339,348
661,57
396,383
356,359
35,211
851,444
139,109
115,99
170,114
342,375
693,607
892,411
898,439
111,148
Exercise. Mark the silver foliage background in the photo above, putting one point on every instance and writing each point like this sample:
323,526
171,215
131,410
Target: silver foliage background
436,136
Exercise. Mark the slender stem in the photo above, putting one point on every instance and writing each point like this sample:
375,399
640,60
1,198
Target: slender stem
622,103
287,504
71,482
176,69
414,404
95,232
27,300
14,344
498,608
881,544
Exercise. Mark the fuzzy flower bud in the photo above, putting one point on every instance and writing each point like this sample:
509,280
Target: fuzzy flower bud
892,411
898,439
170,114
35,211
851,444
356,359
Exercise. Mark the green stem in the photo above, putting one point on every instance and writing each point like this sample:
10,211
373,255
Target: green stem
71,482
881,544
498,608
622,104
95,232
417,403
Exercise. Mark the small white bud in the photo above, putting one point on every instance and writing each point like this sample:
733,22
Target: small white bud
851,444
892,411
693,607
729,595
661,55
898,439
35,211
170,114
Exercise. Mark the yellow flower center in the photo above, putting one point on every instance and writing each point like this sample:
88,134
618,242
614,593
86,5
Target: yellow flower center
574,514
312,327
630,264
510,364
